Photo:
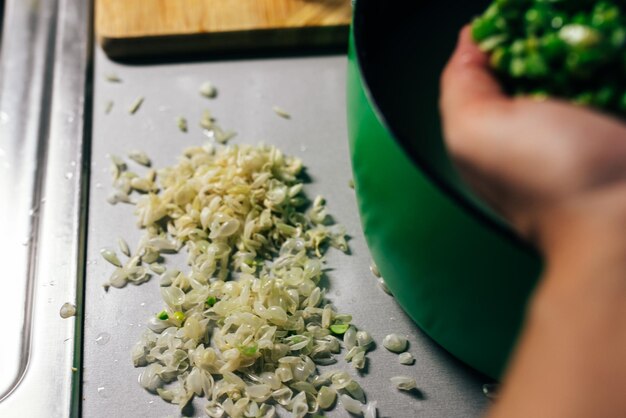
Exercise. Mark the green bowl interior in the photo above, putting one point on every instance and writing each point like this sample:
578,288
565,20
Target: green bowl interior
402,51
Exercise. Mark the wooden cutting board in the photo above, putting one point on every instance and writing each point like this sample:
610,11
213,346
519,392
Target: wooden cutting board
138,28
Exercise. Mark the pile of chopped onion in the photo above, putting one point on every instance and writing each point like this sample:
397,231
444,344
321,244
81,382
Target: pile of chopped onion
247,325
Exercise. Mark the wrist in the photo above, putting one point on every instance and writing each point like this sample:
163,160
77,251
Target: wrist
584,245
585,230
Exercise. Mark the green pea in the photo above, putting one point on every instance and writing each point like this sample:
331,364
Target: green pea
518,47
339,329
483,28
179,316
552,47
492,11
535,66
558,20
533,17
532,44
618,37
501,23
537,19
249,350
517,67
500,58
210,301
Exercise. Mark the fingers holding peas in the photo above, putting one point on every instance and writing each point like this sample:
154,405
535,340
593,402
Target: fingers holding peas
573,49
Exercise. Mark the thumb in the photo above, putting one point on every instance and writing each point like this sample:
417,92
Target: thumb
469,93
467,80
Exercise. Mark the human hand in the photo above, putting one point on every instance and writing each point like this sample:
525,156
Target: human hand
557,172
541,164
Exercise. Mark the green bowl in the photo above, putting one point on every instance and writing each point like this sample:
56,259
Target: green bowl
455,267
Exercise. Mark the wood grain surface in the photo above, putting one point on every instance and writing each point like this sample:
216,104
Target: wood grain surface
127,28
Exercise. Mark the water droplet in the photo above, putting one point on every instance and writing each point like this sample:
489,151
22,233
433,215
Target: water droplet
374,269
98,185
103,338
2,153
103,392
149,125
4,118
69,175
142,304
209,134
67,310
491,390
303,148
384,287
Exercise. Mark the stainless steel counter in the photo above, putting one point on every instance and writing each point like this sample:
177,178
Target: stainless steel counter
312,90
43,86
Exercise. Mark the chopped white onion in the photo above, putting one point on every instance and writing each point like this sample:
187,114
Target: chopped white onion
404,382
247,323
351,405
363,338
149,378
406,358
395,342
370,410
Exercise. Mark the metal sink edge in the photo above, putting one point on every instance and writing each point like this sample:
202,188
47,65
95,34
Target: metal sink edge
44,77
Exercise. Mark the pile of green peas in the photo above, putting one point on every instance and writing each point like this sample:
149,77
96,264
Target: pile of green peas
573,49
